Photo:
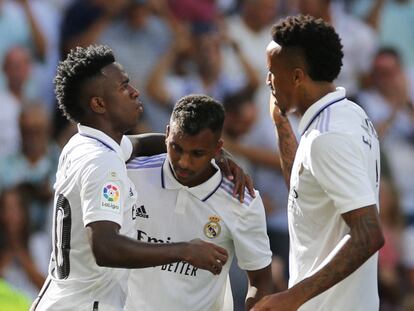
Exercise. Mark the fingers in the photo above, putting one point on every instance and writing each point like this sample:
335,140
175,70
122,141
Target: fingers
221,258
216,269
249,186
225,168
216,265
239,182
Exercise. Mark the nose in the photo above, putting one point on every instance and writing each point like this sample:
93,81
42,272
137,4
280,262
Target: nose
133,91
184,161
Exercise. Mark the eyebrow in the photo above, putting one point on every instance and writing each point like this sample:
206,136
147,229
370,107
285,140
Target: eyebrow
124,81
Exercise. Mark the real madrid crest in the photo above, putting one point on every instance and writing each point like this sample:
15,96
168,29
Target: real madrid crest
212,229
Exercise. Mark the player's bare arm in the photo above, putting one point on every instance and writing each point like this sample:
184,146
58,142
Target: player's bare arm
365,239
147,144
287,139
112,249
260,285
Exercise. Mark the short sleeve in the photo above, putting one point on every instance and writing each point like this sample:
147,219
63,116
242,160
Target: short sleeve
338,165
250,238
103,188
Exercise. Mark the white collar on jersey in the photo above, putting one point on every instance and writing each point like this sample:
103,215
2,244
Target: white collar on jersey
202,191
317,107
124,150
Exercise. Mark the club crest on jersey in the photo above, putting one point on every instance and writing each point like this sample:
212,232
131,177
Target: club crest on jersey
111,197
212,229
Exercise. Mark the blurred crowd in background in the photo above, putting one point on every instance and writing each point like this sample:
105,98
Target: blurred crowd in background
171,48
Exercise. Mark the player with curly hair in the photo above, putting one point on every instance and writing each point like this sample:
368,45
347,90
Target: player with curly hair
332,174
94,198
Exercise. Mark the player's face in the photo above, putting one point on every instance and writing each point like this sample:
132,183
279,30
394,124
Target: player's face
279,77
190,156
122,100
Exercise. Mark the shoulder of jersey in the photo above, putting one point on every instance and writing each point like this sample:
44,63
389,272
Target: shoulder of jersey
340,117
88,149
155,161
226,189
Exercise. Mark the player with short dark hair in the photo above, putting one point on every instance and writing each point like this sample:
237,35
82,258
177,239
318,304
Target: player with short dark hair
184,195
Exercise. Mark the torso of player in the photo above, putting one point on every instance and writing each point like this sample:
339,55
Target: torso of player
91,185
315,223
174,215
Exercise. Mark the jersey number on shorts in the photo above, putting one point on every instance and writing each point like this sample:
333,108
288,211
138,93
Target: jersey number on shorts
63,225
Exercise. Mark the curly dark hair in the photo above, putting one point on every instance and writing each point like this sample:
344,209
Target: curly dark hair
318,42
193,113
80,65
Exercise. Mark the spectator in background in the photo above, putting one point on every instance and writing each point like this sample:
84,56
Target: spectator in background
32,24
17,257
85,20
358,39
194,10
166,85
17,68
408,263
391,109
19,27
250,29
394,21
241,114
389,259
34,166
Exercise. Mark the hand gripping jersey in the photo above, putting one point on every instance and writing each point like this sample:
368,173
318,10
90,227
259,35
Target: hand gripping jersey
170,212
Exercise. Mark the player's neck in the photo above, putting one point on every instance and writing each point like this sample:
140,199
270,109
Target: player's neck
314,93
104,127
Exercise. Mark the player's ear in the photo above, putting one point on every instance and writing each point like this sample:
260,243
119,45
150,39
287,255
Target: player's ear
97,105
167,130
298,76
167,133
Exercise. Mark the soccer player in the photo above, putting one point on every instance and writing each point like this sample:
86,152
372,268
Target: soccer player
94,198
333,174
183,195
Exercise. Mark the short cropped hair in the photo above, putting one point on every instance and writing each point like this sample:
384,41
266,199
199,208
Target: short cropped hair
80,65
318,42
194,113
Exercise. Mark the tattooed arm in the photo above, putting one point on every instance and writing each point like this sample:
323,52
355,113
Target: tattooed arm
287,140
365,239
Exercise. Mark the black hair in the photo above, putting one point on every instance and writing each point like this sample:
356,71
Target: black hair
80,65
194,113
232,101
388,50
316,40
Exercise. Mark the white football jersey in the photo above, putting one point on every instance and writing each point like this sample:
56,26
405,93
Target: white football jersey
170,212
336,170
91,185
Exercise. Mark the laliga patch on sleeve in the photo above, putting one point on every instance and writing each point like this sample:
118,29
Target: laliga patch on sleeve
111,197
